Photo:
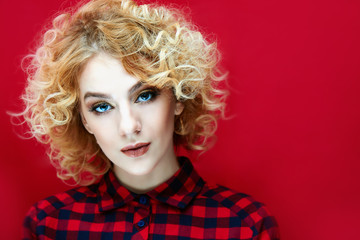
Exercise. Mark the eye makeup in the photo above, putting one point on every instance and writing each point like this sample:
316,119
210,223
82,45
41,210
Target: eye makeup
146,96
101,107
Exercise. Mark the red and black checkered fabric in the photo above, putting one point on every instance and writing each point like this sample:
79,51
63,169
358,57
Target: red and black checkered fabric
184,207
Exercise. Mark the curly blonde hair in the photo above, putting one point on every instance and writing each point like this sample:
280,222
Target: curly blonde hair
154,43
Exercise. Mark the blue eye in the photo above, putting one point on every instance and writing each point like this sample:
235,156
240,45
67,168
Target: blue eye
145,96
101,108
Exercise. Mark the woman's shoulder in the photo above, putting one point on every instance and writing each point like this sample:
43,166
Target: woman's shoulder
249,211
230,198
70,199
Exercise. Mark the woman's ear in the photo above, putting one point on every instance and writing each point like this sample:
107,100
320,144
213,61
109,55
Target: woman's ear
179,107
85,124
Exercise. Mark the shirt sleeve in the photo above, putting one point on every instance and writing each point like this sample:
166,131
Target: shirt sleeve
266,225
29,224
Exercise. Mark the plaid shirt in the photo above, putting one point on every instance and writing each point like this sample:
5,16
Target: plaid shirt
184,207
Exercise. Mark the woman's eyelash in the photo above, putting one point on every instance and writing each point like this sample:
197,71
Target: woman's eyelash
147,95
100,108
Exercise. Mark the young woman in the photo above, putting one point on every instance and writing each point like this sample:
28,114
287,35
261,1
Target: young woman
112,89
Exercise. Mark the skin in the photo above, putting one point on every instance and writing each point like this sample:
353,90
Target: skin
120,111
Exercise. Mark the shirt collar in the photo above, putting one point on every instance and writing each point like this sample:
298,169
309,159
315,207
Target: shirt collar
178,191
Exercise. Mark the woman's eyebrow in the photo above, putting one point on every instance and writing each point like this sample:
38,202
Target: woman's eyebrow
106,96
135,87
96,94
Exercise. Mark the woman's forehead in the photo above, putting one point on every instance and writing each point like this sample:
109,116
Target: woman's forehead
103,70
105,77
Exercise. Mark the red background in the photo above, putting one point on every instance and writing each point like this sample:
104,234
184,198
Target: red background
294,136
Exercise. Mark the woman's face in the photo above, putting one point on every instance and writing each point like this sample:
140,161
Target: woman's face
133,123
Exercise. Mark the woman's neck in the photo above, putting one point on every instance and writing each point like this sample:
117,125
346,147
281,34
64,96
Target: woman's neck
140,184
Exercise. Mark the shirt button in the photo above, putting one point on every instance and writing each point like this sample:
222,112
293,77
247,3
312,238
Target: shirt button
143,200
141,223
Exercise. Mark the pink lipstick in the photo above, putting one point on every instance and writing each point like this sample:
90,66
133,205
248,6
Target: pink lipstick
136,150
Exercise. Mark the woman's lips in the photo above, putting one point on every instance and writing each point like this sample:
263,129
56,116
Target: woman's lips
136,150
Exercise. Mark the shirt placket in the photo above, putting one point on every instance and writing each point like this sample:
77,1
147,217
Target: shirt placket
141,220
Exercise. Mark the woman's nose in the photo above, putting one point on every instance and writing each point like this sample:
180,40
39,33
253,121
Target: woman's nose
129,123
